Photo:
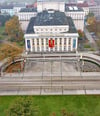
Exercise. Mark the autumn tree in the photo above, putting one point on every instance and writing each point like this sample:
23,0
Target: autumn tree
13,29
81,34
22,106
91,20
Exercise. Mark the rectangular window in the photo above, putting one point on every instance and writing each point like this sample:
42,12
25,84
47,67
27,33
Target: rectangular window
33,41
69,42
37,41
74,43
64,41
46,41
55,41
60,41
42,41
28,44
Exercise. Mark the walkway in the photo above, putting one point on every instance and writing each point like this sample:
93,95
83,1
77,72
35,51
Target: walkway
91,40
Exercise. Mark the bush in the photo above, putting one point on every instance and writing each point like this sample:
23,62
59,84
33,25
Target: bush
87,46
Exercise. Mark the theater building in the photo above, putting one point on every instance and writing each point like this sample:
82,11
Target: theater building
51,31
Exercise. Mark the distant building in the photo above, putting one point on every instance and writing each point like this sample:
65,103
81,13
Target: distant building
85,7
77,14
95,10
18,7
7,9
50,4
98,18
51,31
25,14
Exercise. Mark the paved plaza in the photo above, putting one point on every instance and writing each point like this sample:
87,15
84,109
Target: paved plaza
51,67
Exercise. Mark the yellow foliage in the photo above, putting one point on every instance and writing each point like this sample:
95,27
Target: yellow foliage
10,51
91,20
13,29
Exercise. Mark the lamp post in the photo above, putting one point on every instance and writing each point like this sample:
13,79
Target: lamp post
61,66
51,73
24,61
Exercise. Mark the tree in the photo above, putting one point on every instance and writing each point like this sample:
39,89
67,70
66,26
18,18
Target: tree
3,19
81,34
91,20
22,106
13,29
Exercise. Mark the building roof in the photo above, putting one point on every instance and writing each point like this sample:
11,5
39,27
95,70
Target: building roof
33,22
50,0
30,28
98,18
28,10
19,5
6,7
85,4
50,17
73,8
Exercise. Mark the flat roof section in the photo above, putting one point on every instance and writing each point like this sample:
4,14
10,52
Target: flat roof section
73,9
28,10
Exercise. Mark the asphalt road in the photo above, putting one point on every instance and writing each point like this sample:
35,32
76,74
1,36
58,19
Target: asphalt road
36,87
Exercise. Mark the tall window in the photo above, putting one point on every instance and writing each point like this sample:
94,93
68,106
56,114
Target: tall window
55,41
37,41
42,41
64,41
33,41
46,41
60,41
74,43
69,42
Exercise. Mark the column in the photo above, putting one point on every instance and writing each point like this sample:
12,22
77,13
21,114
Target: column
58,46
44,44
76,43
48,45
26,44
71,44
54,45
31,45
35,43
62,44
40,43
67,44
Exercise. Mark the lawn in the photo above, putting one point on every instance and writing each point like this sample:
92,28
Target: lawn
78,105
9,50
2,30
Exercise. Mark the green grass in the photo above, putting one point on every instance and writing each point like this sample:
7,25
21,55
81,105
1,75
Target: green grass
2,30
79,105
87,46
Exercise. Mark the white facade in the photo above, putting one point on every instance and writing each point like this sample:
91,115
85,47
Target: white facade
95,10
86,10
11,12
80,1
78,18
17,9
51,29
62,42
24,25
26,16
50,5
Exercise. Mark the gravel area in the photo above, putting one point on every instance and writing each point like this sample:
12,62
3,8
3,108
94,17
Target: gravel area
89,67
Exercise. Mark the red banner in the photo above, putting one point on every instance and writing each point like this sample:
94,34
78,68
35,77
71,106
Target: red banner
51,43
